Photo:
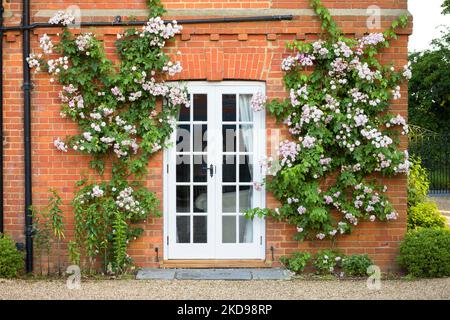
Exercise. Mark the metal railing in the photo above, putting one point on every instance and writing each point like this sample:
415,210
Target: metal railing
434,150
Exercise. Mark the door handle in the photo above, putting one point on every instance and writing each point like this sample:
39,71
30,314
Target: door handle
211,170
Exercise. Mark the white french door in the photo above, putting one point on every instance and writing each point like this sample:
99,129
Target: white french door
209,176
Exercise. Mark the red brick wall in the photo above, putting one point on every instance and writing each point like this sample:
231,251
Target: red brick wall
217,4
244,51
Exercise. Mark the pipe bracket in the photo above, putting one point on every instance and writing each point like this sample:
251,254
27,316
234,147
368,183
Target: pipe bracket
28,86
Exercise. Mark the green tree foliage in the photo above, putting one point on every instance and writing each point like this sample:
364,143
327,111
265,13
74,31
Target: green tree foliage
446,7
429,87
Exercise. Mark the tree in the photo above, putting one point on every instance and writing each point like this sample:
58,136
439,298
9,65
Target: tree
446,7
429,87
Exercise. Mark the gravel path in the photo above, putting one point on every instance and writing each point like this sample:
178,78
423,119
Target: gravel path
260,290
443,203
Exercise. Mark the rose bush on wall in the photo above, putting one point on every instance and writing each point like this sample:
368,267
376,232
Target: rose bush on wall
338,116
116,109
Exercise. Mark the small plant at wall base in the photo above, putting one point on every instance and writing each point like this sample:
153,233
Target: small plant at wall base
297,263
338,116
356,265
11,260
119,112
327,261
48,230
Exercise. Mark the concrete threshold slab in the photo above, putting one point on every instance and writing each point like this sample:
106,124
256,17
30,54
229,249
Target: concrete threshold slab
155,274
213,274
271,274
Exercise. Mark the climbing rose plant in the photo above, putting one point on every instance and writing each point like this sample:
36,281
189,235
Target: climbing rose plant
123,123
342,133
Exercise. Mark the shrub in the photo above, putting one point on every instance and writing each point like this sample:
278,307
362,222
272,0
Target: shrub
425,215
356,265
426,253
11,260
418,182
297,262
327,261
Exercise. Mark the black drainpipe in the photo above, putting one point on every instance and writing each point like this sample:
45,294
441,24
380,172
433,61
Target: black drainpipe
1,120
27,134
25,28
118,23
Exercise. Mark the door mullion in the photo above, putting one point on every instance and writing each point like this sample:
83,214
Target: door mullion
212,159
238,162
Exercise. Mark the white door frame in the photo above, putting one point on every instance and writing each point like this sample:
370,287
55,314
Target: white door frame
226,251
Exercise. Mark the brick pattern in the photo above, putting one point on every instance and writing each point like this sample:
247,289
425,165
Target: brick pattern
220,4
239,51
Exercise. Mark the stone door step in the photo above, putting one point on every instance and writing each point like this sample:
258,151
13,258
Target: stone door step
213,274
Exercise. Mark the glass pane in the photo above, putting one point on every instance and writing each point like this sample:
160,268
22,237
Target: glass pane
229,169
245,110
245,138
200,199
245,168
245,198
245,230
200,138
200,229
229,138
229,199
183,199
183,229
185,114
229,229
200,107
183,169
200,169
228,107
183,138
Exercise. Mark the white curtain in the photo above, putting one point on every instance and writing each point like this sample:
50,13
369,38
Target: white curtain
246,115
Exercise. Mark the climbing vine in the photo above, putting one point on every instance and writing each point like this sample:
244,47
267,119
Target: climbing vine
342,133
125,112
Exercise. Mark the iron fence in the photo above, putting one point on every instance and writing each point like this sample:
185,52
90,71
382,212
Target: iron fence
434,150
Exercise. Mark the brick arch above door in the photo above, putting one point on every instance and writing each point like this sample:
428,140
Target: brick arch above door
216,64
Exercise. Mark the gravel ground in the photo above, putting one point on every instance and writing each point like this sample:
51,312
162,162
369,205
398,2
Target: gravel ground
443,203
258,290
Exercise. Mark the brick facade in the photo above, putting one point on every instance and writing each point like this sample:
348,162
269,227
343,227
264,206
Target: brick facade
214,52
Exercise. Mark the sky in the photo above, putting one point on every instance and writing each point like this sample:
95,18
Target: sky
428,20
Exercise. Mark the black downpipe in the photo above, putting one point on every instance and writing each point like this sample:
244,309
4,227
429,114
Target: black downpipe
1,120
27,134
